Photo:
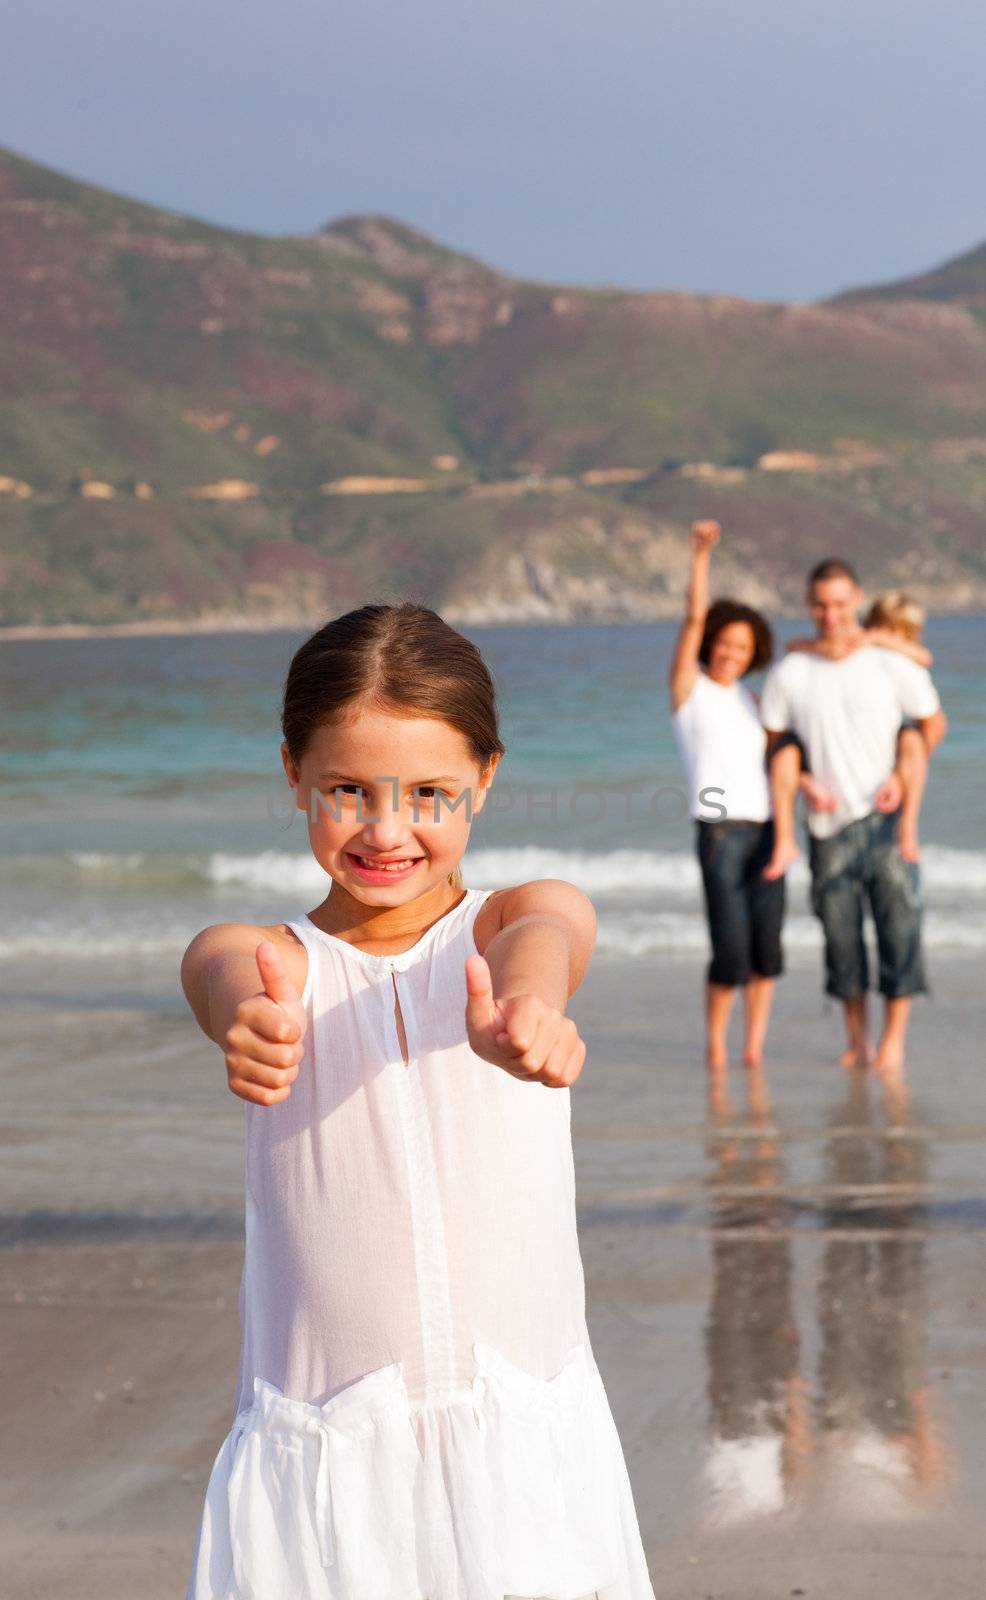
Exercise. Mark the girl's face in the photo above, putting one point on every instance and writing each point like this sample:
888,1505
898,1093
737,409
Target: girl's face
382,788
732,651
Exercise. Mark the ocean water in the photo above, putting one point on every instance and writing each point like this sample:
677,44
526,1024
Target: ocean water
142,798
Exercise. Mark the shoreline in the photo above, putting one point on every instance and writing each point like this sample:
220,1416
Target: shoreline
457,616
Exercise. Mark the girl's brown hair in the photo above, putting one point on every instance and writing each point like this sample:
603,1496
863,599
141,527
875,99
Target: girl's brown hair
401,658
720,614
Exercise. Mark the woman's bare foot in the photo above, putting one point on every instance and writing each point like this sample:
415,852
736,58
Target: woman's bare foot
907,840
716,1059
753,1058
858,1055
784,853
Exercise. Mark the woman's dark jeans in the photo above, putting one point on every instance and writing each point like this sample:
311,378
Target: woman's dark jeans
745,910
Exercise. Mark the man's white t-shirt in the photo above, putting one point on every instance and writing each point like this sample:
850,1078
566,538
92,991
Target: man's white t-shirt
847,715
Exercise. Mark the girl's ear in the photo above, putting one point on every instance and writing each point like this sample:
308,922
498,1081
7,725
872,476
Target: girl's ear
294,776
485,779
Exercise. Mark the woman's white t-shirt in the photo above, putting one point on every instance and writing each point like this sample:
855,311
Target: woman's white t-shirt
723,745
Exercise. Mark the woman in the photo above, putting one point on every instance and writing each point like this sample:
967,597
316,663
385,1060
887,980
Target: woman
723,745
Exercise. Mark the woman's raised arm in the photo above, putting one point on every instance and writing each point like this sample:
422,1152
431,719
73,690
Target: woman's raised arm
684,661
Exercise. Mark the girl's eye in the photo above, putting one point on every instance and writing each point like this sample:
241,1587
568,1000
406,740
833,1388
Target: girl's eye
352,788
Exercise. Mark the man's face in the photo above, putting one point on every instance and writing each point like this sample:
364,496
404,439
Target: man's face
834,603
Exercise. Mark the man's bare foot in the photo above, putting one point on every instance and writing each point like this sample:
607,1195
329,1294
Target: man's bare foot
753,1058
889,1059
716,1059
907,841
785,852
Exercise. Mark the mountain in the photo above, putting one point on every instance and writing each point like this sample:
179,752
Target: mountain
202,424
959,282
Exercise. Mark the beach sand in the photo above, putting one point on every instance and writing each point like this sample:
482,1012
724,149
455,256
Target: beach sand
786,1300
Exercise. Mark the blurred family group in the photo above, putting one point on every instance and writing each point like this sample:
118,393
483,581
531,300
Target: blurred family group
845,725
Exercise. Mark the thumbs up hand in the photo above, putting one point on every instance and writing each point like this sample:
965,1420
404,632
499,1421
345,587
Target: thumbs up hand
522,1034
265,1042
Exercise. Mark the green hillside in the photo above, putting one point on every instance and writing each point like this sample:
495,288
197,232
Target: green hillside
960,281
200,423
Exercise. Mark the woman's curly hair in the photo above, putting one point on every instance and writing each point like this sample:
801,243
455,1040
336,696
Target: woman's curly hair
720,614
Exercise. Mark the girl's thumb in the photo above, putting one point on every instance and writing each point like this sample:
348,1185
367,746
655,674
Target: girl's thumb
277,984
479,989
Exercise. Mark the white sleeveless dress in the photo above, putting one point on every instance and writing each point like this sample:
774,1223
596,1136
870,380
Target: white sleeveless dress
419,1414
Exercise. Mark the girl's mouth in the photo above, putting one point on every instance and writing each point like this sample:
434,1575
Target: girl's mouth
373,870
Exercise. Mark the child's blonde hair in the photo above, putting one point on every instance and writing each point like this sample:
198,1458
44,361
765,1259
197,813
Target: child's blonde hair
897,611
397,657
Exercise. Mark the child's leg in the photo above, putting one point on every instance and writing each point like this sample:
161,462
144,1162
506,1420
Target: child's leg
912,769
784,777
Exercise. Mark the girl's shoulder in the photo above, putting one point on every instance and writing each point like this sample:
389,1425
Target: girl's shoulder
489,919
242,939
553,895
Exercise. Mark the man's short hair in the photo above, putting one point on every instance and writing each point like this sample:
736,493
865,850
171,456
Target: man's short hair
833,567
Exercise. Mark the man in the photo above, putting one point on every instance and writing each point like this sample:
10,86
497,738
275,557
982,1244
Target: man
846,705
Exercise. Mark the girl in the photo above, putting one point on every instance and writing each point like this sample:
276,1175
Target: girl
722,743
419,1414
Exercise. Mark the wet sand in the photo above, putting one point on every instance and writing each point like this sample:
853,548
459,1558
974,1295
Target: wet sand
785,1294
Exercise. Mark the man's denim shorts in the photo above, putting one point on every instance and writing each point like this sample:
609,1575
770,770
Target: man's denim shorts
862,863
744,910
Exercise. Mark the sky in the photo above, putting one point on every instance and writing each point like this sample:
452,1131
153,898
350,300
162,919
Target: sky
776,149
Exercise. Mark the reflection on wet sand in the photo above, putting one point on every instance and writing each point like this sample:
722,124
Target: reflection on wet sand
864,1442
878,1441
757,1393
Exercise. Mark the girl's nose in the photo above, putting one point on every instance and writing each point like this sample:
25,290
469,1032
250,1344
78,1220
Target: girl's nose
387,831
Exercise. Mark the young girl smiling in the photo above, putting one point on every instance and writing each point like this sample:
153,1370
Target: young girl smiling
419,1415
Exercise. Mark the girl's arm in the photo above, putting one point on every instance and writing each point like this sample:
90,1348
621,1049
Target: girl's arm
896,641
520,982
245,990
218,970
684,662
